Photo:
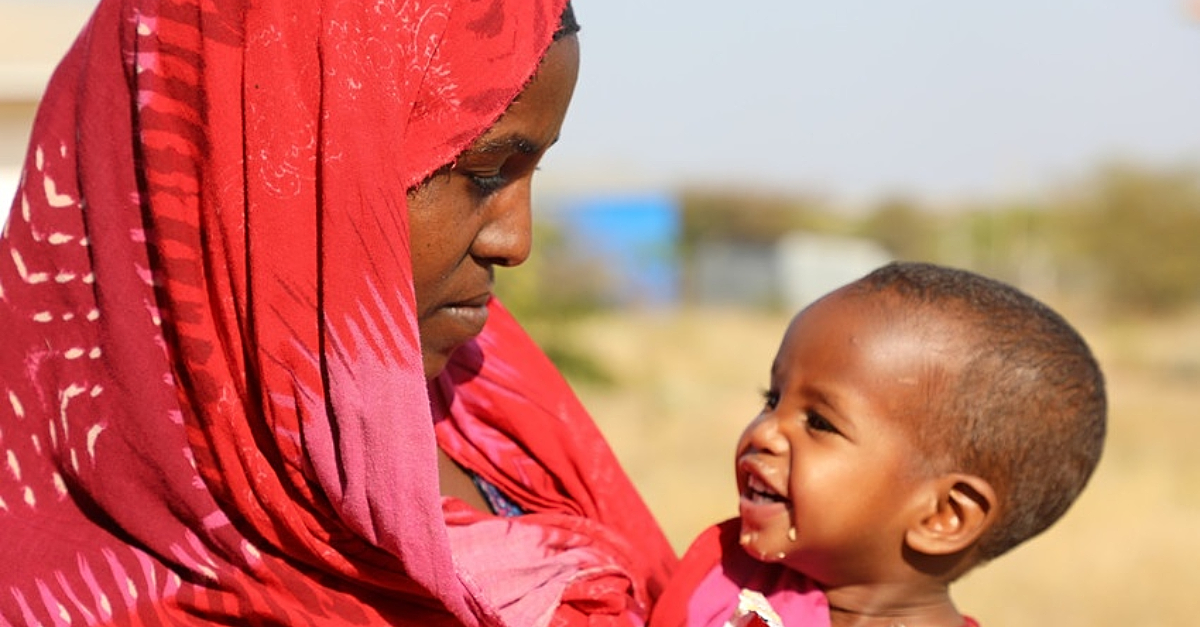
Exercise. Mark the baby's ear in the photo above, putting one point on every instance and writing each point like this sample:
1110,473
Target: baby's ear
956,511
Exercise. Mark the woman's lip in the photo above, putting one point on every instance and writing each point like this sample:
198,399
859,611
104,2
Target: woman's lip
481,300
468,315
472,318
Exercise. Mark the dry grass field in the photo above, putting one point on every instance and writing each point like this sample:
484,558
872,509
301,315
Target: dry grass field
1128,553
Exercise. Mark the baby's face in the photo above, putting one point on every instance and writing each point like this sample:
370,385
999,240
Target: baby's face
827,472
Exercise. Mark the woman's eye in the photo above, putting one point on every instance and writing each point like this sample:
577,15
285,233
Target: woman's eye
770,398
487,183
817,422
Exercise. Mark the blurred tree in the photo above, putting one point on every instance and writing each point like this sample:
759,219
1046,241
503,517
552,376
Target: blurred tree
747,216
1140,232
1127,236
549,293
1011,241
902,227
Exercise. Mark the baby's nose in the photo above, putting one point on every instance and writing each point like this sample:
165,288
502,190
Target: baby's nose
764,435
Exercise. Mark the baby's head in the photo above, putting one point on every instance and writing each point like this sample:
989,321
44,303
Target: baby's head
921,419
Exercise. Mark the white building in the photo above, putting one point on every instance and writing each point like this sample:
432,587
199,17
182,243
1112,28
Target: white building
812,264
789,272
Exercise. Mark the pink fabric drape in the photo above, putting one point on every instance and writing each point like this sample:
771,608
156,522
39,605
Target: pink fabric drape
212,406
541,450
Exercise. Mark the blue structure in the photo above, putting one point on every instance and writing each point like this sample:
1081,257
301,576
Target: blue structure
634,237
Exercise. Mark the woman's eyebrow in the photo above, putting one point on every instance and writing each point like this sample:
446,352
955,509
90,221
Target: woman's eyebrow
507,143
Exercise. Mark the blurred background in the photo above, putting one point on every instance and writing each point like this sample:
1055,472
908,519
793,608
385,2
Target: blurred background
721,168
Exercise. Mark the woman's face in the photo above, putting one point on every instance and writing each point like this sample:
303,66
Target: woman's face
475,214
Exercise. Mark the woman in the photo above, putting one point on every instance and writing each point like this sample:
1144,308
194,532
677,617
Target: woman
248,271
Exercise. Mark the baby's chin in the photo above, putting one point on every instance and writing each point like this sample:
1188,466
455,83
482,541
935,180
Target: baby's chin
766,544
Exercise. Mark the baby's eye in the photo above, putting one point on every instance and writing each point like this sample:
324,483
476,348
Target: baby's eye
817,422
770,398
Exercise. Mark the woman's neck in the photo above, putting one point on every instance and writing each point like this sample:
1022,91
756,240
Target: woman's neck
454,481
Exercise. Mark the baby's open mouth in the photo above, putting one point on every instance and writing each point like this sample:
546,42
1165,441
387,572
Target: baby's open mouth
759,492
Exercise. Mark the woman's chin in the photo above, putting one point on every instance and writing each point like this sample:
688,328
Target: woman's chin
448,328
434,365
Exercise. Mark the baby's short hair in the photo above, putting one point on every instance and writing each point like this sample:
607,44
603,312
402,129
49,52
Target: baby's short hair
1028,411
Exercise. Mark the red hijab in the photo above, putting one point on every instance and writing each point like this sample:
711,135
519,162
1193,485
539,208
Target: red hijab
212,403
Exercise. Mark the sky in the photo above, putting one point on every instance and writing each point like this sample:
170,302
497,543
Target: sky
862,98
858,99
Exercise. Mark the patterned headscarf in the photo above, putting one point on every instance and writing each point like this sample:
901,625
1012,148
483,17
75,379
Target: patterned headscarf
212,401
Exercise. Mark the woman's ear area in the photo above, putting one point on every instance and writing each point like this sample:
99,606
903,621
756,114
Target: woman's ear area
956,510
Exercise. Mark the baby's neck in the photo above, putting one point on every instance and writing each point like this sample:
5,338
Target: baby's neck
892,605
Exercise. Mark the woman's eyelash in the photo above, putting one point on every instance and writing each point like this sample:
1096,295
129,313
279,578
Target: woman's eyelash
488,184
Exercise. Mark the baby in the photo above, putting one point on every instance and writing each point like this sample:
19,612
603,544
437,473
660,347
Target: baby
919,422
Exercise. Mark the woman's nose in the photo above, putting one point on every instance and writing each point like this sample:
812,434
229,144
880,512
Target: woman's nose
506,237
